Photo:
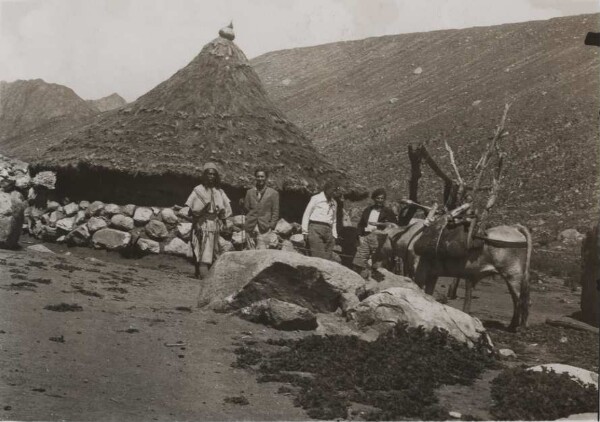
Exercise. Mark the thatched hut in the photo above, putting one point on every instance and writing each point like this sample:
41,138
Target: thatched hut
214,109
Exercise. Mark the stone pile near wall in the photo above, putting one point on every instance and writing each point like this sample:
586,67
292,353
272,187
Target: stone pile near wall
118,227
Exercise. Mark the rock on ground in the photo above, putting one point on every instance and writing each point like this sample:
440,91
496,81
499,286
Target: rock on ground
110,239
283,228
580,375
184,230
39,248
178,247
570,236
280,315
12,217
80,236
382,311
238,279
148,245
507,354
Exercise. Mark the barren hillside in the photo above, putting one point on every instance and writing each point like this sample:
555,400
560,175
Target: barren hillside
26,105
364,101
109,102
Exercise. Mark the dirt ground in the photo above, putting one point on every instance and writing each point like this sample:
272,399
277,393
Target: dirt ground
117,357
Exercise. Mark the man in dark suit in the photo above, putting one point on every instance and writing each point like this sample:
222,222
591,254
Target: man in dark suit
262,206
370,235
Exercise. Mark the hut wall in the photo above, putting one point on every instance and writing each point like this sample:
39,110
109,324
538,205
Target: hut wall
159,191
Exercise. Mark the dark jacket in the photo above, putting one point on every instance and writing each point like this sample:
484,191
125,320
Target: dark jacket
265,212
386,215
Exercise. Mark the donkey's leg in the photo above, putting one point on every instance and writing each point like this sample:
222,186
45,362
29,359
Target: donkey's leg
468,295
452,289
514,286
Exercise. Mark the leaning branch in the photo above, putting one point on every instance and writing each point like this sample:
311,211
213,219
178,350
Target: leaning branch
492,147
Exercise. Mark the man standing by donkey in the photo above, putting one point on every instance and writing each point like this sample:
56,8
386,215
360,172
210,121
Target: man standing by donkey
262,206
319,223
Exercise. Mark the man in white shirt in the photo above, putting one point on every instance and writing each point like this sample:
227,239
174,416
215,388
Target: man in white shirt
319,222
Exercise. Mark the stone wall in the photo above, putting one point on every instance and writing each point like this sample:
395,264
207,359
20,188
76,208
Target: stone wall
53,217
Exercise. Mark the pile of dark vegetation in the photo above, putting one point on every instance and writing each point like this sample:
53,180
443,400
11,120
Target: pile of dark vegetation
396,374
564,345
526,395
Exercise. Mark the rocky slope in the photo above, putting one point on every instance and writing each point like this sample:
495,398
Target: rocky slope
109,102
365,101
28,104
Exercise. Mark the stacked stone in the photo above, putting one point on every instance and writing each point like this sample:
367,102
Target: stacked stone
146,230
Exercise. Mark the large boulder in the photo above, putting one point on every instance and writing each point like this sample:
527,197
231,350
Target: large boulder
147,245
121,222
79,237
238,279
110,239
168,216
156,230
280,315
407,304
96,223
142,215
12,217
178,247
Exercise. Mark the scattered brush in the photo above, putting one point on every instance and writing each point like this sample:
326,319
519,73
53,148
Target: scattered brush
397,374
67,267
64,307
580,348
121,290
526,395
22,285
86,292
239,400
40,280
60,339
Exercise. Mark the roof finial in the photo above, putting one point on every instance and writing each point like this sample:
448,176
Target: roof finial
227,32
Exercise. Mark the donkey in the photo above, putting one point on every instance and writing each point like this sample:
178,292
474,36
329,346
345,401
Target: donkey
506,252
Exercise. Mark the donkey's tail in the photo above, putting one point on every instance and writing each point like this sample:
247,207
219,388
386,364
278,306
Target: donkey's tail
524,294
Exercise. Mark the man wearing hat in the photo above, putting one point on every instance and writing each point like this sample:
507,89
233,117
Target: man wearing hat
319,223
209,207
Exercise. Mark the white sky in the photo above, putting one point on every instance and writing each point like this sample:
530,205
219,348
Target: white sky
98,47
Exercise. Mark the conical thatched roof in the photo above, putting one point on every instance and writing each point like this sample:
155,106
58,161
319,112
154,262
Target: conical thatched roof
214,109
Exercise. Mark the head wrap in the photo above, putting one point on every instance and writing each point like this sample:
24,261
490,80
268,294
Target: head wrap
210,166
